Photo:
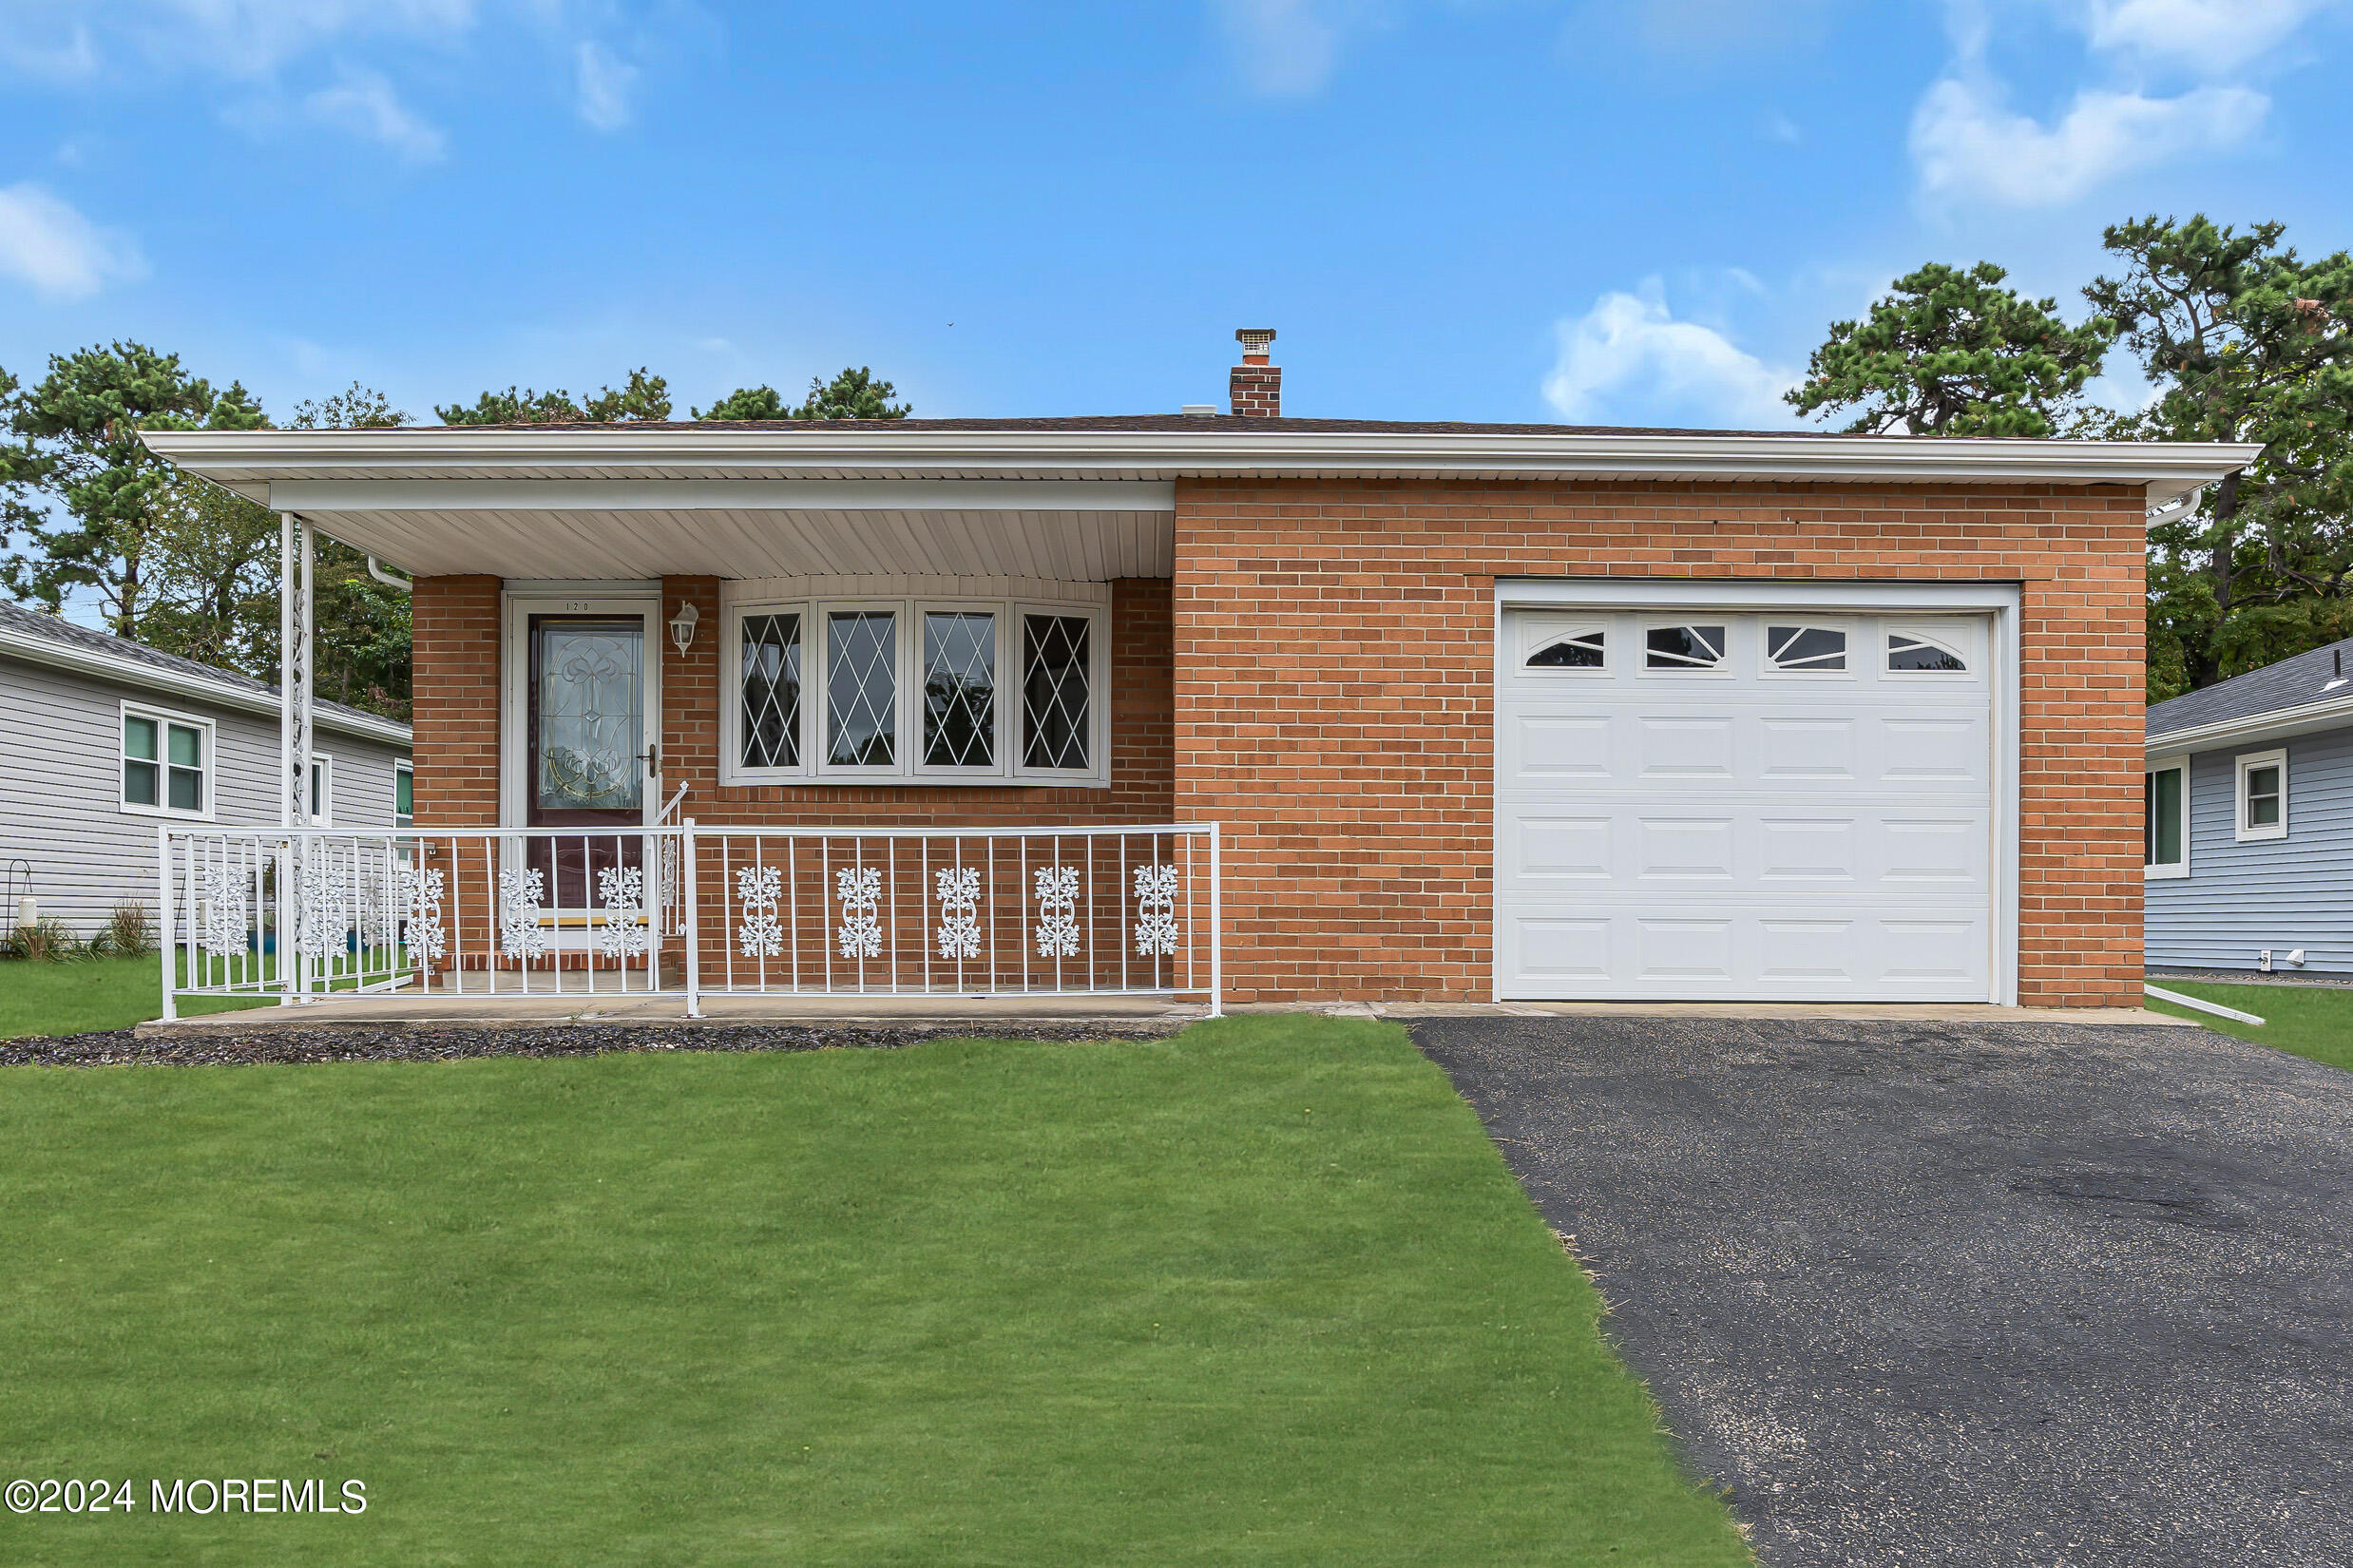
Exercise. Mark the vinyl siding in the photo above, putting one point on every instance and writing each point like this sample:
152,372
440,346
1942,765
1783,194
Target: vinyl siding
61,808
2280,893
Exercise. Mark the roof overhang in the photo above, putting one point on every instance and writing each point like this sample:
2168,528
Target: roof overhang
179,683
2330,712
435,499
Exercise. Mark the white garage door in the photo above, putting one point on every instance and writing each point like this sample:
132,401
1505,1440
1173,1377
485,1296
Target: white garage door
1702,803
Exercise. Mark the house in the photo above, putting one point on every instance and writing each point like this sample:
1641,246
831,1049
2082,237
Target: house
2248,832
1443,711
109,740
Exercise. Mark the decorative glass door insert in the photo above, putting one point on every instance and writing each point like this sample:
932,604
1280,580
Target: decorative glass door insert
587,761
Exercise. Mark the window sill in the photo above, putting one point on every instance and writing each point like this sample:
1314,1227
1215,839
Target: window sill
2165,873
164,814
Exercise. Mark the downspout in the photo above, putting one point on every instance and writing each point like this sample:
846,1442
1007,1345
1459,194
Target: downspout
406,585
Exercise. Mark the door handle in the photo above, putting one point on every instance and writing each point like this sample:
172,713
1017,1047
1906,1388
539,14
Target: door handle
651,756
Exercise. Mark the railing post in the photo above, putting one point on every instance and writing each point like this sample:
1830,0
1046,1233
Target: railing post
694,916
1216,929
164,920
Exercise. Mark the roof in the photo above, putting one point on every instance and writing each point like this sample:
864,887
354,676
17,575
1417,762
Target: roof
2310,690
1156,449
48,639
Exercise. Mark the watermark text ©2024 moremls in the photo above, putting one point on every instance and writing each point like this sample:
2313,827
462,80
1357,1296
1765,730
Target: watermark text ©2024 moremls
203,1495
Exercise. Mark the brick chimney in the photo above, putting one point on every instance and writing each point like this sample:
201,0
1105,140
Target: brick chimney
1257,385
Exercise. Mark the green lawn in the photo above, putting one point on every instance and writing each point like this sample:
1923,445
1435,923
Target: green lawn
2308,1019
1261,1294
81,995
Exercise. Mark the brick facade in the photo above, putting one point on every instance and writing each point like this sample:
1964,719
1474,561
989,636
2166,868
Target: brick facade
1334,649
1318,678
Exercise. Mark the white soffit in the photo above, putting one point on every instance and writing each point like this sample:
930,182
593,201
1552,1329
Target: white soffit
1079,547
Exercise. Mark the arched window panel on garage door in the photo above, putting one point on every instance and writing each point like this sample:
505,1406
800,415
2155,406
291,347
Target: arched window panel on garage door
1914,653
1583,649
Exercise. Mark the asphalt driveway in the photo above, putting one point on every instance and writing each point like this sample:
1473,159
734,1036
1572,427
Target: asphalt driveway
1960,1293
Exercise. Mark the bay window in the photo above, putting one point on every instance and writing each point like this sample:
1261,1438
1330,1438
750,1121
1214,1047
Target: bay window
943,687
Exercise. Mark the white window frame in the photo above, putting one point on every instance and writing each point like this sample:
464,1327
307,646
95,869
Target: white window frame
322,767
163,717
2150,871
915,598
2245,763
400,819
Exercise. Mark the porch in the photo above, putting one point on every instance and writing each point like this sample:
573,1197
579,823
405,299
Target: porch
565,923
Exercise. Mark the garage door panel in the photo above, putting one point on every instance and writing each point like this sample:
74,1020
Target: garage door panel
1746,833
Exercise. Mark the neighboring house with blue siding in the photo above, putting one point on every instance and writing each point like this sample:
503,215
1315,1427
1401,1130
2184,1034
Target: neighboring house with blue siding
2250,840
106,740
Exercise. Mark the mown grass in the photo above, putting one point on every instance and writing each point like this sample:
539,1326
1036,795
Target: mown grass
1261,1294
2311,1020
81,995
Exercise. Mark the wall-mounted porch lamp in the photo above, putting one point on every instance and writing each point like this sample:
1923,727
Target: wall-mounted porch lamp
682,626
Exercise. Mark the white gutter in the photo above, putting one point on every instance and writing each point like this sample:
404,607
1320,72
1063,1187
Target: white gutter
247,461
41,650
2306,717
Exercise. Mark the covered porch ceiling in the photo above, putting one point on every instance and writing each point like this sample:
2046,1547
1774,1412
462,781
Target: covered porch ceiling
1070,500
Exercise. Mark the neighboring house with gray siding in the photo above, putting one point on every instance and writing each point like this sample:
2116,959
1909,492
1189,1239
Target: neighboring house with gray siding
2250,840
107,740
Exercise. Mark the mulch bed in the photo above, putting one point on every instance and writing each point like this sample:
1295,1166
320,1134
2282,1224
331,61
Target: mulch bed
357,1043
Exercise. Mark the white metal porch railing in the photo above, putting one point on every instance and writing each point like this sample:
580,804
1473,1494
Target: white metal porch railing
297,915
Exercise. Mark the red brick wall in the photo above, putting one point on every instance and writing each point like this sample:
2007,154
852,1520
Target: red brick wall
456,701
1335,697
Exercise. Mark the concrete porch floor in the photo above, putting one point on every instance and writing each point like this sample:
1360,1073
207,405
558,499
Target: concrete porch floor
1116,1014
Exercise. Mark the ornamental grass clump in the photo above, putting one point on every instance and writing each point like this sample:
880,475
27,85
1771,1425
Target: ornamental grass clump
45,940
129,932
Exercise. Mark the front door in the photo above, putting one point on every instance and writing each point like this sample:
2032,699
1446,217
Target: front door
586,756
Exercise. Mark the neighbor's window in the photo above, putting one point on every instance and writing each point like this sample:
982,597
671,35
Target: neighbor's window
1910,655
973,691
2262,795
322,790
1683,647
2166,823
404,796
1805,649
1577,651
167,763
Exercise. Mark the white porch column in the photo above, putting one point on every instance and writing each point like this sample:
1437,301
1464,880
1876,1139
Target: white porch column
296,626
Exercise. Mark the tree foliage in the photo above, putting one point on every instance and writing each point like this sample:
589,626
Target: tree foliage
77,482
644,397
2245,341
851,395
1953,353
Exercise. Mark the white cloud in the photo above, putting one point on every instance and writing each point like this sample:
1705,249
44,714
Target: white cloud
2208,36
1286,49
365,105
1967,144
60,254
606,81
1630,359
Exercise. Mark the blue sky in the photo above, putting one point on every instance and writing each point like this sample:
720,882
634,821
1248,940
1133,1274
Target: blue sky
1484,209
